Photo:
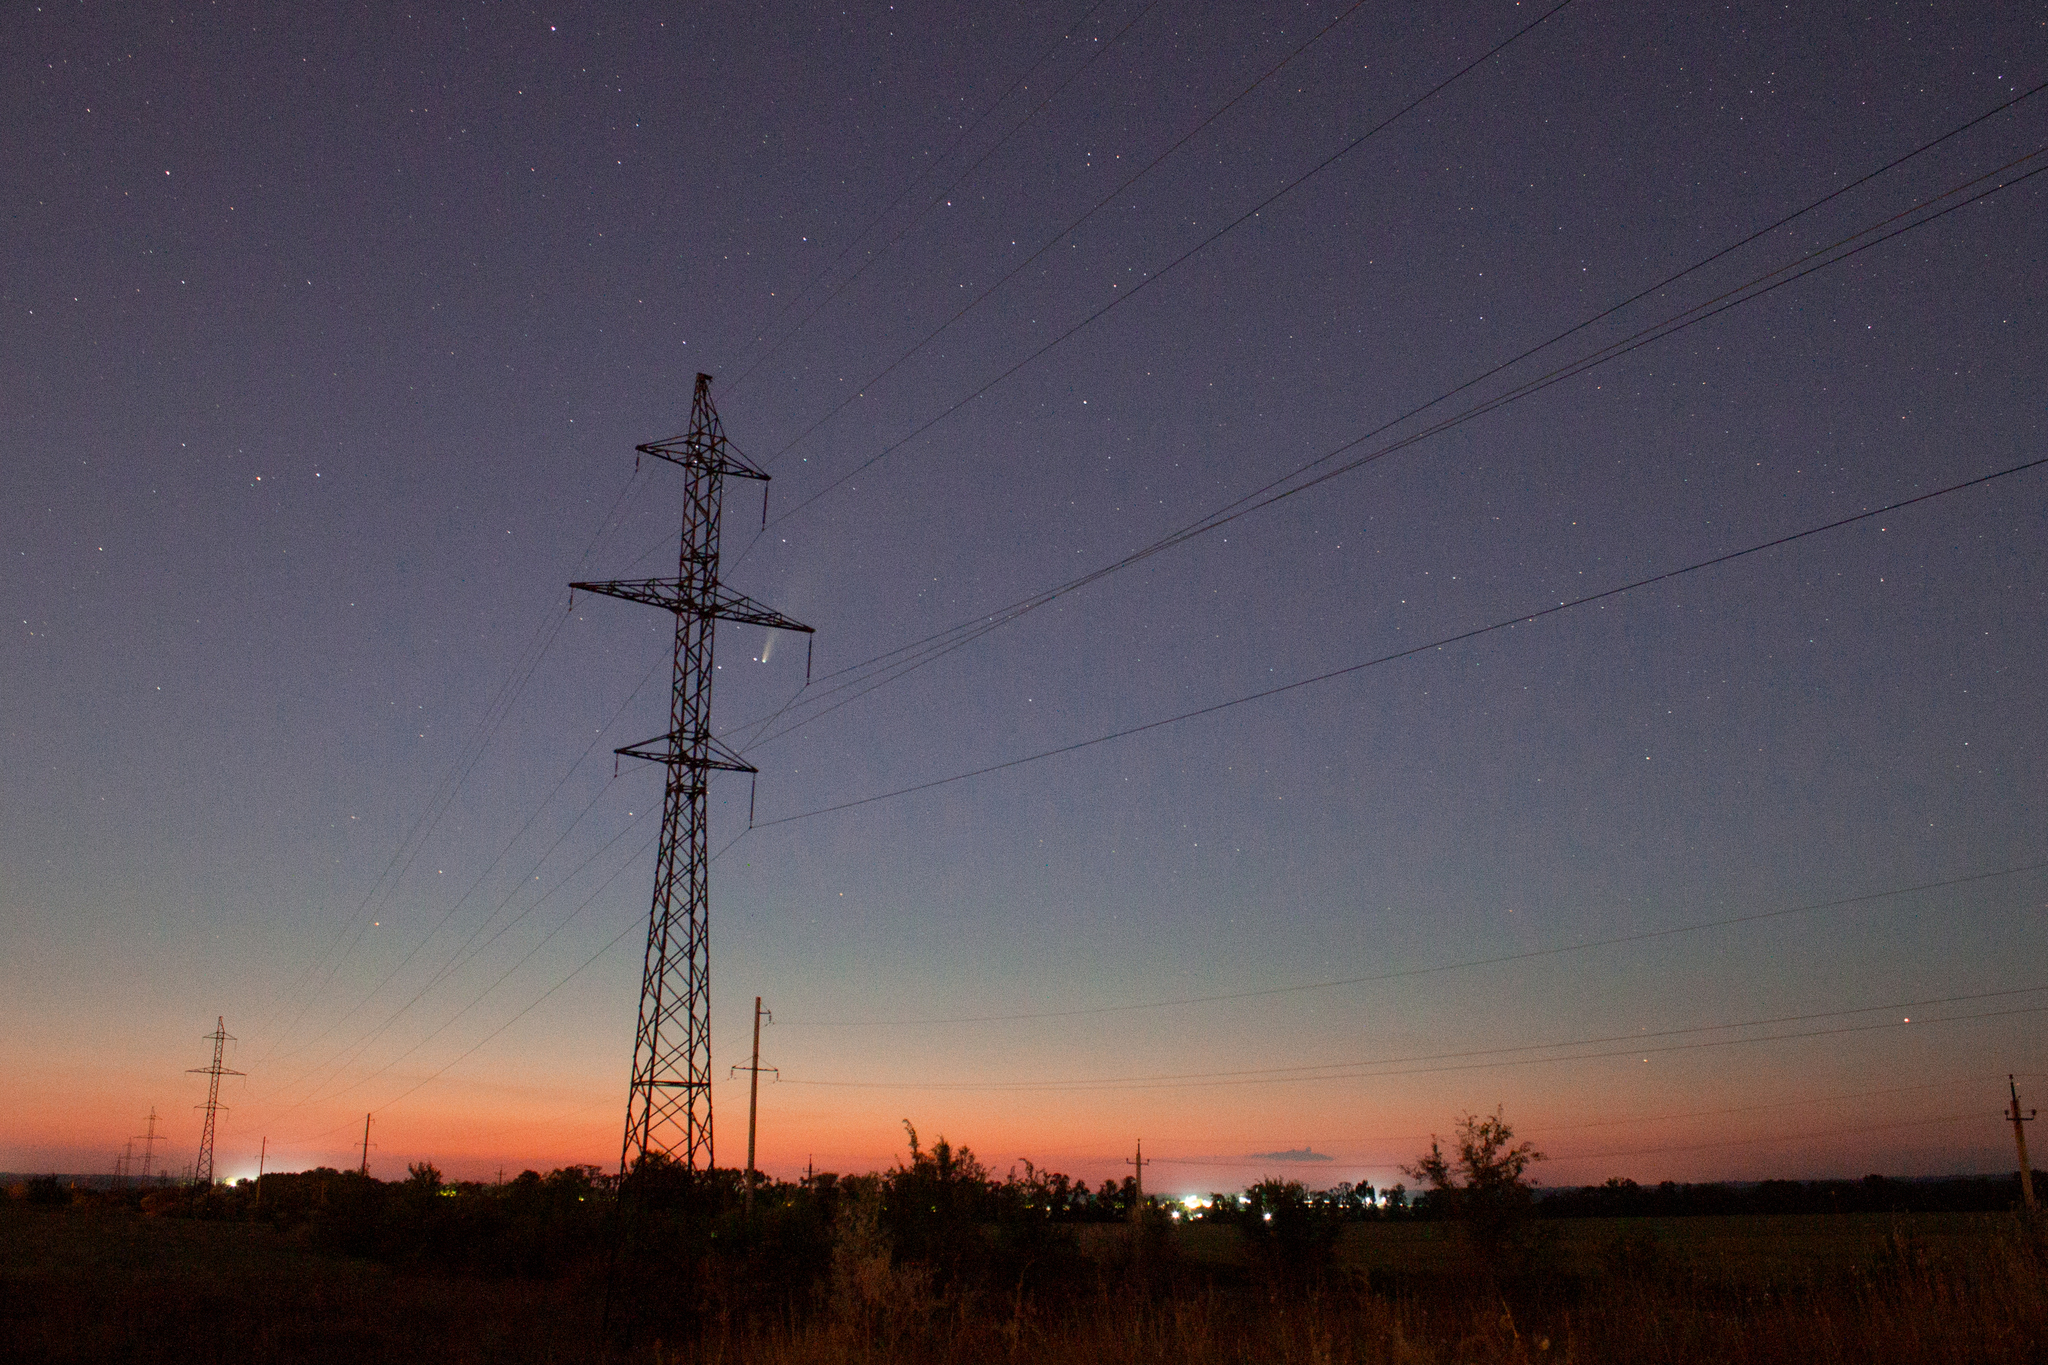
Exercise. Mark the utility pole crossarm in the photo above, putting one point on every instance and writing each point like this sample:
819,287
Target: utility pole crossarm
2020,1119
674,595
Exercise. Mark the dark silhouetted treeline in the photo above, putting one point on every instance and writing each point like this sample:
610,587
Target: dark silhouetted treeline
1872,1194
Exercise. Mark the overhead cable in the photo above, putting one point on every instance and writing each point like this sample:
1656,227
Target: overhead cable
1407,973
1154,276
732,385
860,390
880,670
1482,1059
1444,642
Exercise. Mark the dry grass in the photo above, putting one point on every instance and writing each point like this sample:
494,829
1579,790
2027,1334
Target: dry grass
97,1284
1987,1305
76,1285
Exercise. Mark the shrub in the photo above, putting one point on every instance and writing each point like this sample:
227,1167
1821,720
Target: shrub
1290,1236
1485,1186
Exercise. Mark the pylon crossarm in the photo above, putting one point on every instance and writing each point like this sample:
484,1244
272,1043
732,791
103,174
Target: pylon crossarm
663,749
714,453
666,593
670,595
731,606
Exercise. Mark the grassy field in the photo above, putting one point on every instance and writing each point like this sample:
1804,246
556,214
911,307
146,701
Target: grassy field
1747,1251
92,1284
95,1282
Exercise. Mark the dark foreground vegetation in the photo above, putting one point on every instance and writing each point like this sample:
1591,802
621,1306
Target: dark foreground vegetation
939,1261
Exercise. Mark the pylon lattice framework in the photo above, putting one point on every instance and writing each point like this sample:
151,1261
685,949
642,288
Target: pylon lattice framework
668,1109
202,1169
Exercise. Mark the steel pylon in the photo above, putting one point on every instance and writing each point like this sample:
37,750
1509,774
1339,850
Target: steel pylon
668,1109
202,1169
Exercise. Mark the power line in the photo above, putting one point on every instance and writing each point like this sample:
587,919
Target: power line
1823,258
940,197
1363,979
1802,1102
1539,1130
1438,644
1439,1062
803,817
347,1055
905,659
456,960
861,389
1768,1140
530,1006
489,867
1404,973
1314,1070
495,715
1157,275
422,829
502,978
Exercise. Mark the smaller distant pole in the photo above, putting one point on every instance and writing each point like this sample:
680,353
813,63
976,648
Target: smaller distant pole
364,1169
754,1084
2019,1137
262,1160
1138,1165
754,1070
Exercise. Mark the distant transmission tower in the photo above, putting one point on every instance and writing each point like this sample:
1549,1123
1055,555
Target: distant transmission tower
668,1109
202,1169
149,1141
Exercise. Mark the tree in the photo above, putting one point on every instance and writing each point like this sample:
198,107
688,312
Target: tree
935,1205
1290,1237
1484,1185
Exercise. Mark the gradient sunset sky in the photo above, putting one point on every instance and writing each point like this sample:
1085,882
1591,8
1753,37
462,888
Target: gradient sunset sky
329,335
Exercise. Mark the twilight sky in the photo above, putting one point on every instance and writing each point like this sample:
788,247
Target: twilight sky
328,336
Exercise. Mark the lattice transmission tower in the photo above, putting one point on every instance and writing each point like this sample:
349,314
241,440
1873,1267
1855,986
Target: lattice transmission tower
202,1169
668,1109
149,1141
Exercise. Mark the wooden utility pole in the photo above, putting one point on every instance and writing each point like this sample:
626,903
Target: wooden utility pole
262,1160
365,1168
753,1070
1138,1165
2019,1137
